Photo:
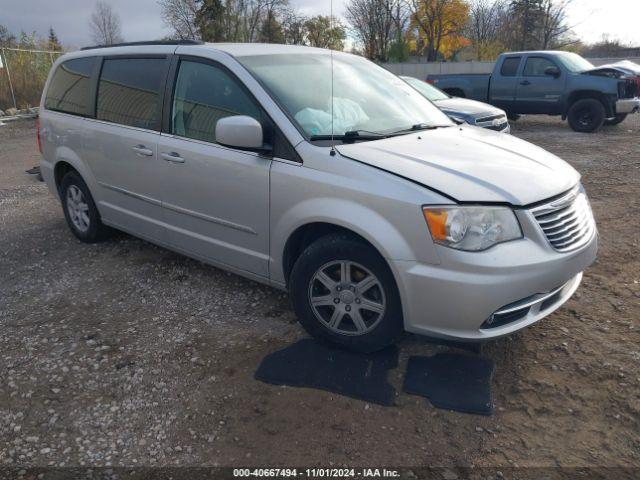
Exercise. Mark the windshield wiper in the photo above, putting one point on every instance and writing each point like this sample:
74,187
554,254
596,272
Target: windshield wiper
351,135
415,128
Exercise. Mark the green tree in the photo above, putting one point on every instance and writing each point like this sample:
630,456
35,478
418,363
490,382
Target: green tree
324,33
527,18
209,21
52,41
7,39
271,30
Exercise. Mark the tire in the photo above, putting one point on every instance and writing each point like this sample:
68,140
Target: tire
80,210
514,117
615,120
377,311
586,115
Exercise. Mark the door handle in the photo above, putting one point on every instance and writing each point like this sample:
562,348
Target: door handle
142,150
172,157
525,82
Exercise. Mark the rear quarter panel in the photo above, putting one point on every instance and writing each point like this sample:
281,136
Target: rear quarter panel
62,141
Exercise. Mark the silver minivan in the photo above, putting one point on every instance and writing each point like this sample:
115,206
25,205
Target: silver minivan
320,173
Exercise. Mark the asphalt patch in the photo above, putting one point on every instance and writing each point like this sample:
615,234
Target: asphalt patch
452,381
313,364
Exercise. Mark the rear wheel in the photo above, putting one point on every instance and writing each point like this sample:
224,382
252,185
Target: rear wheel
586,115
80,210
615,120
344,292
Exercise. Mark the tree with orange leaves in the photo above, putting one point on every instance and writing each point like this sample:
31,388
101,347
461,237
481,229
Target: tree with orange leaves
439,25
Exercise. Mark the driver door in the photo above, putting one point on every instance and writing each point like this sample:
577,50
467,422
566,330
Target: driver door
216,198
536,91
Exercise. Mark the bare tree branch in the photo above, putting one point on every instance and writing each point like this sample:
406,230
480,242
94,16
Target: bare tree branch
105,25
180,17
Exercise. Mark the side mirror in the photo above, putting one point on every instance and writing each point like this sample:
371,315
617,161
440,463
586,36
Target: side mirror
552,71
240,131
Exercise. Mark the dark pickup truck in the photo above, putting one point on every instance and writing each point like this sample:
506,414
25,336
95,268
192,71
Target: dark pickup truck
552,83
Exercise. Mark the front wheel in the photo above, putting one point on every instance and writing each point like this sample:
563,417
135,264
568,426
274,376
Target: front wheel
615,120
344,292
586,115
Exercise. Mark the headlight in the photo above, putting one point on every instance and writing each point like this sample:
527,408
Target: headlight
457,118
471,228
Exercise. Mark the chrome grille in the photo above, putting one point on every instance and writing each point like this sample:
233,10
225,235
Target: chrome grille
494,122
489,118
566,222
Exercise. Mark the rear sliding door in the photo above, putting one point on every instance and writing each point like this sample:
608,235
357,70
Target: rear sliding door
122,143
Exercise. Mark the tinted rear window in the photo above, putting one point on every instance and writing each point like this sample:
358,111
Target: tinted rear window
510,66
68,90
129,91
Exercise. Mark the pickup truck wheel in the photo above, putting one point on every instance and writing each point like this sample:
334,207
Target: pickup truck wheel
586,115
615,120
344,292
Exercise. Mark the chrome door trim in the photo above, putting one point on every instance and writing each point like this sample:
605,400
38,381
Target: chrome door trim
153,201
208,218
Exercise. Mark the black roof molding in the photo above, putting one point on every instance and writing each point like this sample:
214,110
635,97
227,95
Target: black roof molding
151,42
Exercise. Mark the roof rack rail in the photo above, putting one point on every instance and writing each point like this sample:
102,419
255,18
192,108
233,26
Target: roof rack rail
150,42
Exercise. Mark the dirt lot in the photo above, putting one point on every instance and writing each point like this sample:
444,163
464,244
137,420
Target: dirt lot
123,353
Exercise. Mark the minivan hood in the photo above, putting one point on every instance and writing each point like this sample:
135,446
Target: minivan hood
468,107
470,164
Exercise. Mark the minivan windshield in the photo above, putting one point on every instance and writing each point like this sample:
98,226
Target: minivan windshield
368,101
574,62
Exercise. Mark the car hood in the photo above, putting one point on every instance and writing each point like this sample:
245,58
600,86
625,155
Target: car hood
470,164
624,68
467,107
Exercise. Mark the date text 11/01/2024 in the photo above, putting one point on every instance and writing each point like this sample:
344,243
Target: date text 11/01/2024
317,472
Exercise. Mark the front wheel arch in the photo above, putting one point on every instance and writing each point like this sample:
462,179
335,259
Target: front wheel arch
307,234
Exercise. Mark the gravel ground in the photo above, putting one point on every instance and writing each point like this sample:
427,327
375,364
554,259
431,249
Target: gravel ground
123,353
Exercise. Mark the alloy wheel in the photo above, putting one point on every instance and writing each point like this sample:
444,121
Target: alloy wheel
347,298
78,209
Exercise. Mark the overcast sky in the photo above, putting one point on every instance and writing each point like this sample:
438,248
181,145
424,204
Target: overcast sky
141,18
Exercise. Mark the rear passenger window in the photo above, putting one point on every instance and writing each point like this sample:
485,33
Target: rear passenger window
510,66
203,95
68,90
129,91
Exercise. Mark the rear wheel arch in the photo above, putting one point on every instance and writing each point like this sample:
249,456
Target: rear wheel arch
60,170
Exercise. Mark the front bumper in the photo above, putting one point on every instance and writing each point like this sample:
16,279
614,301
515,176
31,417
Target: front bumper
459,298
628,105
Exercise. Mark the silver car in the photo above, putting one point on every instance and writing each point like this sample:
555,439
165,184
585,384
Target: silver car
463,110
319,173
